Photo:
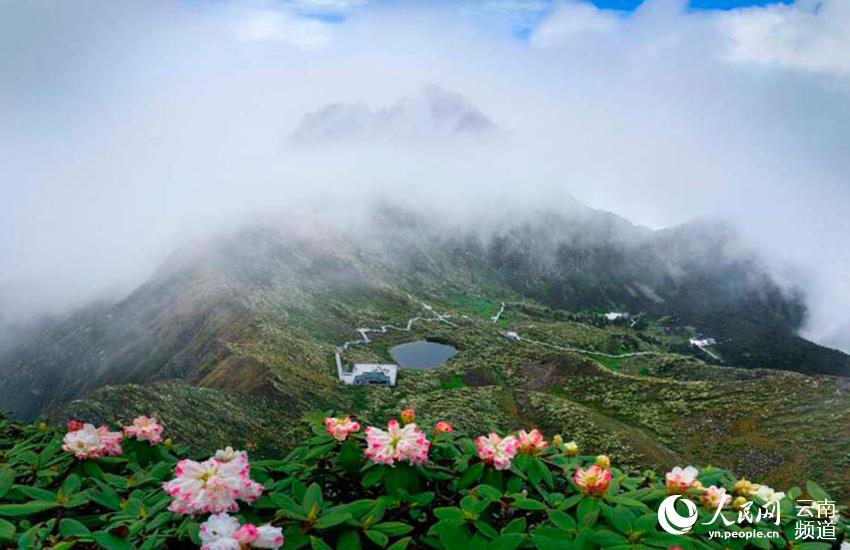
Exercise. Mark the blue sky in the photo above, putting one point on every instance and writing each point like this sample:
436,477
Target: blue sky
694,4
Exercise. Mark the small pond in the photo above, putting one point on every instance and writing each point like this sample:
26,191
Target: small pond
422,354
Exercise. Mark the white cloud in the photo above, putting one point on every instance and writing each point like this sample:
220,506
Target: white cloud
809,35
279,25
573,19
141,122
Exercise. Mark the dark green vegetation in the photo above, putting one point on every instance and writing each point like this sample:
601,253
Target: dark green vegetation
237,337
325,494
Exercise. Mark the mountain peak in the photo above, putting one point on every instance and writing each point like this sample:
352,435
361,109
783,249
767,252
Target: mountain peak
433,112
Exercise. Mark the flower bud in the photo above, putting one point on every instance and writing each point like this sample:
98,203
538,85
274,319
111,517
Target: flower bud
558,441
168,442
744,487
738,503
74,425
571,448
603,461
408,416
42,427
443,427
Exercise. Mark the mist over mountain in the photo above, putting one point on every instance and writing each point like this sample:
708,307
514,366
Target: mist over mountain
433,112
183,322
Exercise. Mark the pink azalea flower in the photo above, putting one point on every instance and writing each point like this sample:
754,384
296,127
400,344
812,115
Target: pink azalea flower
341,428
74,425
715,497
145,429
268,537
212,486
531,443
396,444
217,533
91,442
497,451
592,481
223,532
680,480
247,534
443,427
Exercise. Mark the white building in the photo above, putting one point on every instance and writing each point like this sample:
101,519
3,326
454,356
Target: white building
614,315
702,342
366,374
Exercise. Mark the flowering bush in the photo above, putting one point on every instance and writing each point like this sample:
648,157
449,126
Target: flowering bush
145,429
413,486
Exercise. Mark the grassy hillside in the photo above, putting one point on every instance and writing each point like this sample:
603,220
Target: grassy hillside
648,411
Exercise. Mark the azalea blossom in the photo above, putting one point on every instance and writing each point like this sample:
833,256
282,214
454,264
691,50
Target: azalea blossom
145,429
74,425
212,486
680,480
497,451
443,427
396,444
593,480
767,494
531,443
247,534
268,536
408,416
223,532
340,428
715,497
91,442
217,533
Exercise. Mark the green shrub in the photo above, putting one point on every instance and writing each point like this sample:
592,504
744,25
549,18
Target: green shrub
325,494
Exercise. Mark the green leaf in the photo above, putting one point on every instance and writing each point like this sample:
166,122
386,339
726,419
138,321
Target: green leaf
515,526
26,509
373,476
620,518
449,513
453,535
486,529
400,544
7,478
606,537
312,498
393,528
7,529
318,544
528,504
470,475
562,520
36,493
377,537
508,542
72,528
588,512
816,491
71,485
111,542
348,540
332,520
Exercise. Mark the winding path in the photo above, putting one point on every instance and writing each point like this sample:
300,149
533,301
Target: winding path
364,334
445,318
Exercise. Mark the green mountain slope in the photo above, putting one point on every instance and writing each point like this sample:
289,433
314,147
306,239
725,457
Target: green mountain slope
238,334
